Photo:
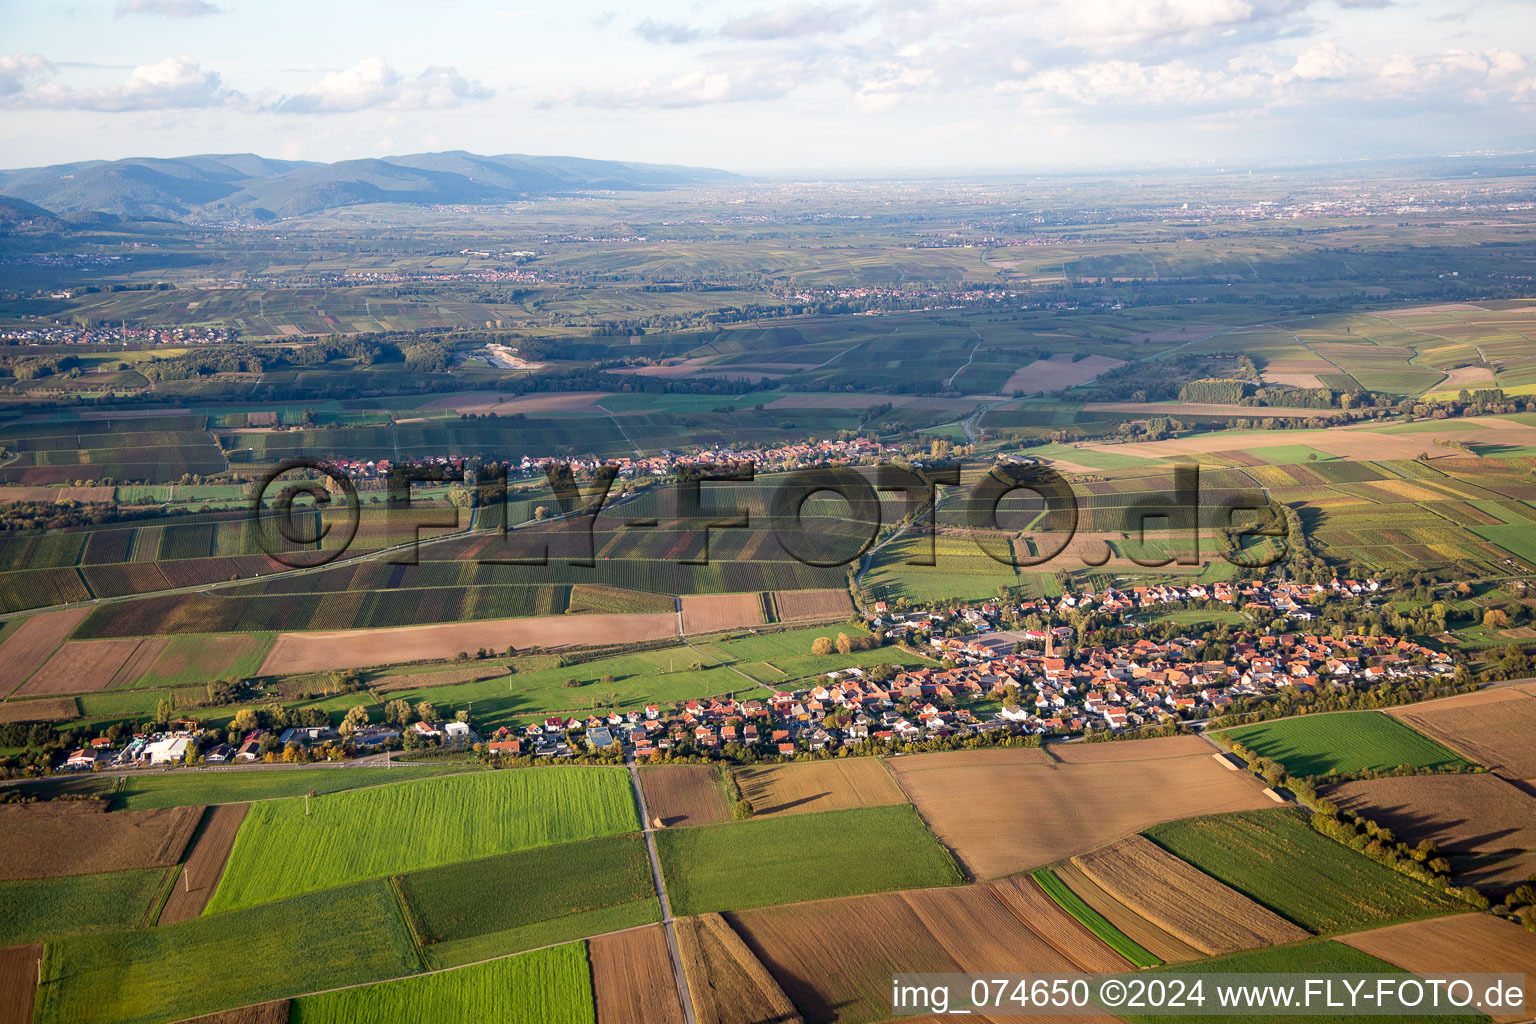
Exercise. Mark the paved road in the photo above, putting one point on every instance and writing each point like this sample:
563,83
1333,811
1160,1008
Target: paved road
666,905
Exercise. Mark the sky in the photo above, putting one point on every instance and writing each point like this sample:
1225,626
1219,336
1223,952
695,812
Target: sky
793,89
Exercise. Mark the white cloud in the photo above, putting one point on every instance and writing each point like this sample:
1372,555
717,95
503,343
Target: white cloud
1324,61
373,83
792,21
168,8
685,89
175,83
653,31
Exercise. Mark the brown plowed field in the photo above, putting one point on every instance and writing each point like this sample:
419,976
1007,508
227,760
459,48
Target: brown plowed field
1470,943
633,979
999,818
18,982
275,1012
1129,750
979,758
1161,944
48,840
835,957
359,648
1492,727
812,604
49,709
726,981
81,666
1058,373
1183,900
819,786
684,794
205,865
1486,824
711,613
99,495
137,663
34,640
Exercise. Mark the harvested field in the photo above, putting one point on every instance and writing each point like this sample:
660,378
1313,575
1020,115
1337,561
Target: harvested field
498,402
49,709
681,368
1469,377
1487,825
195,659
449,677
34,640
1058,373
275,1012
1007,926
711,613
819,786
1183,900
1346,444
205,865
1204,409
1491,727
87,495
726,981
978,758
812,604
998,818
1162,944
82,666
47,840
139,662
1464,943
18,982
835,401
685,794
359,648
1120,751
632,976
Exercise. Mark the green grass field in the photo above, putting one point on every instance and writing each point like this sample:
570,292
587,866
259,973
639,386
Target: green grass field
548,986
741,865
280,851
1275,858
1348,742
346,937
1091,919
231,786
46,908
546,895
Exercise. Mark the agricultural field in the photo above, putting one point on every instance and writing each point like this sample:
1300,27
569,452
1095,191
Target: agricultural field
51,840
221,962
970,929
229,786
1007,810
713,613
272,1012
818,786
25,649
761,862
1182,901
793,605
1278,861
188,660
46,908
1490,727
204,865
548,986
632,978
546,895
726,981
46,709
18,981
370,833
1081,897
328,651
1460,943
685,794
1318,745
1485,825
85,665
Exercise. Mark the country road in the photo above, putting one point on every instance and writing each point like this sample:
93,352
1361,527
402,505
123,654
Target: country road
666,905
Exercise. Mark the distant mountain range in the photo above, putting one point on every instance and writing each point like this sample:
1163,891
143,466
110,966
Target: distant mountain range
245,186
